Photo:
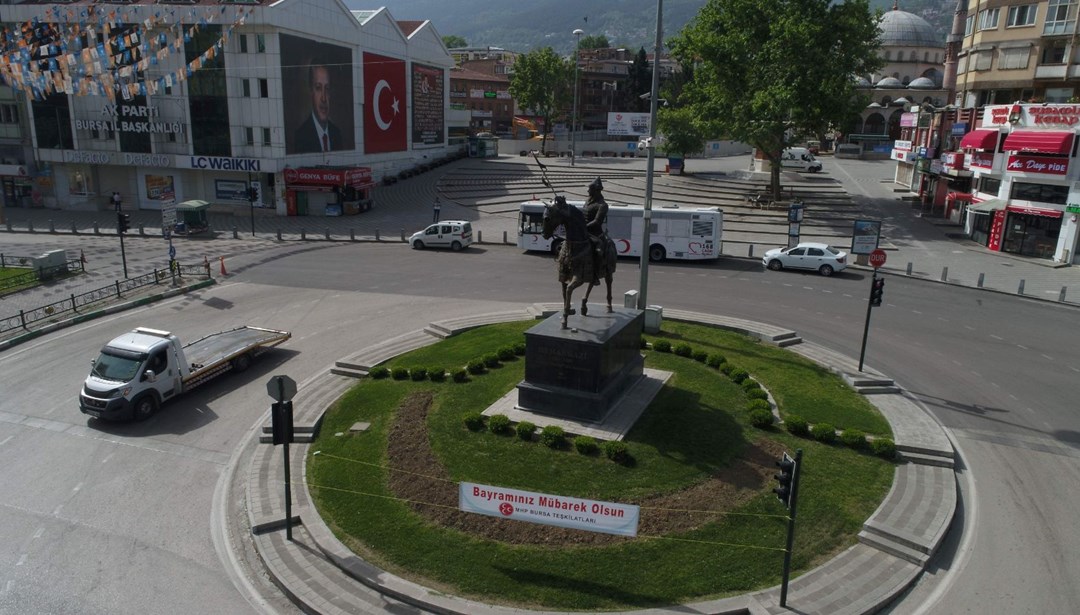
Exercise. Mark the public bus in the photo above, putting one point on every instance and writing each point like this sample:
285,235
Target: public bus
682,233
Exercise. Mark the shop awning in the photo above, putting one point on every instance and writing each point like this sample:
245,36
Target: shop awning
987,206
1034,211
1043,141
980,139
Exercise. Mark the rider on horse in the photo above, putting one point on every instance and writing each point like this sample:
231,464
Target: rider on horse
595,218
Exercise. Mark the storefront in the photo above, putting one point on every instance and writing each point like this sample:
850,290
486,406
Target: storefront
1031,231
328,192
19,190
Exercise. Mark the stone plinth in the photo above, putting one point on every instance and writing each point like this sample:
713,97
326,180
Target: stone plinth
579,373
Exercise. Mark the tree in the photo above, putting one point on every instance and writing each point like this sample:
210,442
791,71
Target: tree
541,83
594,41
453,41
682,131
765,71
638,82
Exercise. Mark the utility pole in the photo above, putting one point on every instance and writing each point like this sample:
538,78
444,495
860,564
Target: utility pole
646,222
573,119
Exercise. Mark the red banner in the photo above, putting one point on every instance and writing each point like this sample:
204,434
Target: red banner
385,123
1038,164
982,160
997,229
358,177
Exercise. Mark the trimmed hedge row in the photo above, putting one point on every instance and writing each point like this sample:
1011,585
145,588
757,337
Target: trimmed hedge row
474,367
552,436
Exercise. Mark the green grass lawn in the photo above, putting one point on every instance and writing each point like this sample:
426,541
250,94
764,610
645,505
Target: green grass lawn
7,273
697,425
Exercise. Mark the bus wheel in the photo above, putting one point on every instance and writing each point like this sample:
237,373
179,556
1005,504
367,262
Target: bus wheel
657,253
556,245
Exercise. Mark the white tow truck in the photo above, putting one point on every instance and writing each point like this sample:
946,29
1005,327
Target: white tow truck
140,370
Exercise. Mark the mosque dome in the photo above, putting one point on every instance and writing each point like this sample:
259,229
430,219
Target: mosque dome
902,29
922,83
889,82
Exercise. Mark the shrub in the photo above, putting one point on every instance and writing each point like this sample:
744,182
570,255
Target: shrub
684,350
519,349
399,373
662,346
474,421
616,451
757,394
437,374
700,356
715,360
552,436
498,423
491,360
586,445
853,438
727,368
883,447
750,384
506,354
796,425
525,430
739,375
758,404
476,366
379,372
644,343
418,373
823,432
460,375
761,418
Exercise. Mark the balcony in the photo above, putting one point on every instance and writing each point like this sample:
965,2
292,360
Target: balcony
1050,71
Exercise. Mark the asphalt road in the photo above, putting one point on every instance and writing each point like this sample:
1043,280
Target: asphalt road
103,518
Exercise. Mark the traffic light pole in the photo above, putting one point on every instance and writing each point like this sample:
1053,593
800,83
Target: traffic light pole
866,326
123,254
791,527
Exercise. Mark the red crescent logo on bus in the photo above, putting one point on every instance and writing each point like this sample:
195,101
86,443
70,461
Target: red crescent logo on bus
624,246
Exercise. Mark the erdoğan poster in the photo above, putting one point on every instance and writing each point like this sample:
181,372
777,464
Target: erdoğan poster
385,120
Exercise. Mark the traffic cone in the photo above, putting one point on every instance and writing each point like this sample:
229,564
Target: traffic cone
223,265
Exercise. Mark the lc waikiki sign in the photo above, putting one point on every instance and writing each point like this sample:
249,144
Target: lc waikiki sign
560,511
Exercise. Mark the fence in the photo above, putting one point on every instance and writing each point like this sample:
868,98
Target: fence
37,275
116,290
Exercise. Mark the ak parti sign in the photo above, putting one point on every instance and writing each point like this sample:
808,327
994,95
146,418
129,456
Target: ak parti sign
1038,164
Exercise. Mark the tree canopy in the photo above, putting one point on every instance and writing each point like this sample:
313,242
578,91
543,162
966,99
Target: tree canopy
541,82
594,41
765,71
453,41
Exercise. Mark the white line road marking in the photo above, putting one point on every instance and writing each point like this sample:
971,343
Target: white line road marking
1022,347
56,511
22,559
1047,357
39,533
1000,339
8,439
76,488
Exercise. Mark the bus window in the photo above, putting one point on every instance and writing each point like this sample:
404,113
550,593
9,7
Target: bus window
532,222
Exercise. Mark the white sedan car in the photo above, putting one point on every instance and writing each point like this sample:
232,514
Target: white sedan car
820,257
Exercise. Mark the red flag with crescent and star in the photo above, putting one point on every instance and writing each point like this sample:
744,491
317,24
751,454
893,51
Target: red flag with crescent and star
385,123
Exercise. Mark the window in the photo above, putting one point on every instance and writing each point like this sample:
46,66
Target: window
247,87
914,56
990,185
243,43
969,24
264,88
1058,95
266,137
1043,193
79,181
249,135
9,114
1016,57
1060,17
961,65
1021,15
988,19
260,43
980,60
888,55
1054,52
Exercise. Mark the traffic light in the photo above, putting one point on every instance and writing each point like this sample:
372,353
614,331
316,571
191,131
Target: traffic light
785,478
281,421
877,289
253,194
123,222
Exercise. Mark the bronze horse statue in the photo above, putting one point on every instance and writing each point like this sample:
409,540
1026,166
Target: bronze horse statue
576,262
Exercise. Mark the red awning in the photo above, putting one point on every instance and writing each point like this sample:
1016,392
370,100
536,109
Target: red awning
980,139
1034,211
1043,141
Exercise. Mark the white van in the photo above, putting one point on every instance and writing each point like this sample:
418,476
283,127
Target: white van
453,234
800,159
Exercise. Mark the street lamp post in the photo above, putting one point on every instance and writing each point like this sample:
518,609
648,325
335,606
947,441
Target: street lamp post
654,99
573,119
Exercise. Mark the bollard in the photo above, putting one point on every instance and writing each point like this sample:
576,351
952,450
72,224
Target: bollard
1020,290
52,226
504,237
352,235
97,230
750,252
909,268
944,274
9,226
377,238
279,234
74,229
303,234
74,308
403,235
327,235
142,231
479,237
982,278
1061,295
235,232
31,226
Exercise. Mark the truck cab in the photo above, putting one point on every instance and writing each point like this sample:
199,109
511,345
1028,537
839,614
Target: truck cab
133,374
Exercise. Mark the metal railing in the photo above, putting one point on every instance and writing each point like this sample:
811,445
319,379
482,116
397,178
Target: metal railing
116,290
36,275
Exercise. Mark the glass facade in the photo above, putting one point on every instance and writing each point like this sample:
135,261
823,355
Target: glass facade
208,99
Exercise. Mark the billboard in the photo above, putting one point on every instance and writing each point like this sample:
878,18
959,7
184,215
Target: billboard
428,125
317,87
628,124
385,123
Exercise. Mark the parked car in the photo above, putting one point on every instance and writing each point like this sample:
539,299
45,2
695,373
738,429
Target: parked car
819,257
814,147
453,234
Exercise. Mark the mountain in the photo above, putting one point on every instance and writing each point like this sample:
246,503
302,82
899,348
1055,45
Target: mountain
521,26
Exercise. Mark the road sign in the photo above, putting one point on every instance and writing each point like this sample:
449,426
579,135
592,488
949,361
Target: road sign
281,388
172,251
877,258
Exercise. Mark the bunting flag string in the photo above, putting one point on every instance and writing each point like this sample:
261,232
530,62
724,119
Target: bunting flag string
94,52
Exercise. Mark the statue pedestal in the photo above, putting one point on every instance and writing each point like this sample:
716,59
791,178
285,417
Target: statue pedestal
579,373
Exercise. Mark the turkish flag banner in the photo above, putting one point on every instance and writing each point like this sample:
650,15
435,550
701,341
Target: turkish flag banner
385,124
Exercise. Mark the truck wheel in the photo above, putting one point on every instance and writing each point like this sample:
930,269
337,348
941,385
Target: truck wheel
657,253
144,407
241,363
